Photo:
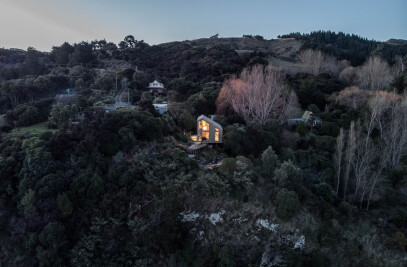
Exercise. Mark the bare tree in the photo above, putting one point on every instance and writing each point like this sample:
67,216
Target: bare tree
352,97
400,67
312,61
340,140
259,95
375,74
370,155
395,133
348,75
377,176
315,62
349,155
364,155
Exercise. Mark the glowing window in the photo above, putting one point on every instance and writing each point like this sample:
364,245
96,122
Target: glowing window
205,135
203,125
216,135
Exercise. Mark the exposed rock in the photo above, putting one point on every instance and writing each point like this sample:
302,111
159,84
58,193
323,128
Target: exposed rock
215,218
189,217
265,224
300,243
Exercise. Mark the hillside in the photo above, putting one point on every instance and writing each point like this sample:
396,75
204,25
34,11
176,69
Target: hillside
397,41
303,163
282,48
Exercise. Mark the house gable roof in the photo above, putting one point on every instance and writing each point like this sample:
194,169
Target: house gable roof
208,120
156,85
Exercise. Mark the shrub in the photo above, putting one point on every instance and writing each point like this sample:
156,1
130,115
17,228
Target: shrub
287,154
288,204
325,191
29,117
64,205
401,241
325,143
28,201
269,160
53,235
302,129
245,160
210,184
329,128
328,235
347,209
242,176
286,173
228,165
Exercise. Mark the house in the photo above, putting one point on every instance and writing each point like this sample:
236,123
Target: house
308,118
161,108
157,87
208,131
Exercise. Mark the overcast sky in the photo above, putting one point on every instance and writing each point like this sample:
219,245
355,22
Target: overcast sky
45,23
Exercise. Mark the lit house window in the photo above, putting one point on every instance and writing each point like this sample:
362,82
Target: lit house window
204,130
216,135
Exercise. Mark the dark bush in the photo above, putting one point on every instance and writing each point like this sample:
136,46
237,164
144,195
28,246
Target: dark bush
288,204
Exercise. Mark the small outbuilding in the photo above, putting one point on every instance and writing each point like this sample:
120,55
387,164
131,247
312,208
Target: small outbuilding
308,118
208,131
157,87
161,108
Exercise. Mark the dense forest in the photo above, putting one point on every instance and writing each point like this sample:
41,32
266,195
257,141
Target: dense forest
82,185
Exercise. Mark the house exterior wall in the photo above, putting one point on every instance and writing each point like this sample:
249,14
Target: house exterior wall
211,132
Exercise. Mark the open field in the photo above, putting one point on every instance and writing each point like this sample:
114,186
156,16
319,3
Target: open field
35,129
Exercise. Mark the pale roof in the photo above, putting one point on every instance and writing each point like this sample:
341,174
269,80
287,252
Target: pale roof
307,115
214,123
156,84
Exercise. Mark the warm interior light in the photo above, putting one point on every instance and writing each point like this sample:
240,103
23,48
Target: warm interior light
205,128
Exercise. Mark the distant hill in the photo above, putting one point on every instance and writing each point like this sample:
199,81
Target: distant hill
397,41
282,48
351,47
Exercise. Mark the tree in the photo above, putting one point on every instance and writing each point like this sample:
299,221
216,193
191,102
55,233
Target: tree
315,62
32,63
62,53
64,205
349,155
399,83
53,235
348,75
106,81
338,158
82,54
375,74
131,42
372,146
28,201
269,160
352,97
287,174
59,116
29,117
259,95
110,48
395,133
288,204
123,45
210,184
228,166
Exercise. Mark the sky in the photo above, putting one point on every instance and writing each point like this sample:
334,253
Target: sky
45,23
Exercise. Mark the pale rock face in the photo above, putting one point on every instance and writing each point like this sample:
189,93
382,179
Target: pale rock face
300,243
189,217
215,218
265,224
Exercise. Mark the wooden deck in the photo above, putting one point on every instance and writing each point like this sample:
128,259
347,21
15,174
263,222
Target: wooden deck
195,148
